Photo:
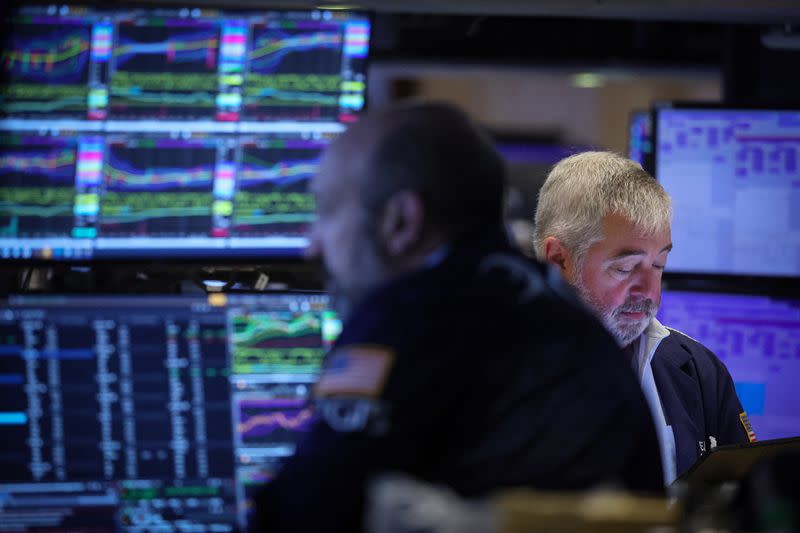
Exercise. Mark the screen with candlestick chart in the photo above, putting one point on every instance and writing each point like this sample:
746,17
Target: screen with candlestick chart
170,133
152,412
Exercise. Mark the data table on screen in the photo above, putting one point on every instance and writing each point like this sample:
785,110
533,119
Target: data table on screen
148,411
758,340
735,183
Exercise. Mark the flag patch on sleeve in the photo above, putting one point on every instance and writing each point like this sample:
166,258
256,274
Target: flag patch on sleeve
748,427
355,370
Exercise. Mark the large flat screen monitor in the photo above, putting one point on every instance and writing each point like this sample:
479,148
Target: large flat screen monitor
758,339
157,413
180,133
734,178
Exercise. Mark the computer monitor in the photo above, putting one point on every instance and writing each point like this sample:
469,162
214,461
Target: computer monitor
152,413
170,133
758,340
734,179
640,138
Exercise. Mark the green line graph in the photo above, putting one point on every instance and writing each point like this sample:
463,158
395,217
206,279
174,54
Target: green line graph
37,196
257,327
126,82
59,104
263,220
134,98
276,343
272,203
294,82
149,214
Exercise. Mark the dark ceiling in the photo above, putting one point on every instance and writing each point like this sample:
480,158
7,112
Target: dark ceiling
548,40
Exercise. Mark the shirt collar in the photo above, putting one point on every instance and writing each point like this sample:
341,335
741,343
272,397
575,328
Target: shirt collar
655,330
648,342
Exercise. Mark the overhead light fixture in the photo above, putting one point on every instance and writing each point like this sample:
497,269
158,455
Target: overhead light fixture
588,80
338,7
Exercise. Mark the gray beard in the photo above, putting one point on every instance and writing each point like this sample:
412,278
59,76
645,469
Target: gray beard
624,331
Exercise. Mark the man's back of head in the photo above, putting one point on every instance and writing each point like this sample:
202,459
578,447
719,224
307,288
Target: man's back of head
435,150
398,184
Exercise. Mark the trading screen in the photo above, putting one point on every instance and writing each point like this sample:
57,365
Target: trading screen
735,183
152,413
169,133
640,138
758,340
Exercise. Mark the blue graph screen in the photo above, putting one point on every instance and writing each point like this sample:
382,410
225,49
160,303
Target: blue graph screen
758,339
735,183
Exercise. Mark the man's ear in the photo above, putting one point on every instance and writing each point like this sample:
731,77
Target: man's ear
402,222
556,253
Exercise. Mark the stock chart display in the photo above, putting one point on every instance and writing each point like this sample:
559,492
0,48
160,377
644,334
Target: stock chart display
183,64
157,187
758,339
166,70
37,185
126,413
175,133
294,71
48,69
272,194
81,195
735,184
276,345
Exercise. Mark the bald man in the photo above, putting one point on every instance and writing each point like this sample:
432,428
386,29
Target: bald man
459,362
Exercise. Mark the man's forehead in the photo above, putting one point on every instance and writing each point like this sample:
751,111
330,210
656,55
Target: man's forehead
620,247
621,238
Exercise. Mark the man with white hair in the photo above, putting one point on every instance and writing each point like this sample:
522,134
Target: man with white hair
605,224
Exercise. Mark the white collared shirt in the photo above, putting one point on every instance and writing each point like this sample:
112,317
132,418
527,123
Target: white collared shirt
642,362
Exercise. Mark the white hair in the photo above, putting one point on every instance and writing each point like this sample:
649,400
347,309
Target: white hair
582,189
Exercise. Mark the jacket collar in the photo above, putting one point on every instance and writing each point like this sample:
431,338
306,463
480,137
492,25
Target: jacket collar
656,333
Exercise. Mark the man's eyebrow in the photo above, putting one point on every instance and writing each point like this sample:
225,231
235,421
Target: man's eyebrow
628,252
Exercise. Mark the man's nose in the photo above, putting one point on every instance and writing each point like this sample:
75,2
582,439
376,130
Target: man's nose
647,284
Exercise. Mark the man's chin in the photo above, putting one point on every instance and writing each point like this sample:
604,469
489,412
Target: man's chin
627,331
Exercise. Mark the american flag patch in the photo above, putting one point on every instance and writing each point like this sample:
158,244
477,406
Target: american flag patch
358,370
748,427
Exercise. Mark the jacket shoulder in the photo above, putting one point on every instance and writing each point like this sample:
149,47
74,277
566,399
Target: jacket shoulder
703,356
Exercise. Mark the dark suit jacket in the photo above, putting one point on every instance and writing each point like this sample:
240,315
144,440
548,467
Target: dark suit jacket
698,398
